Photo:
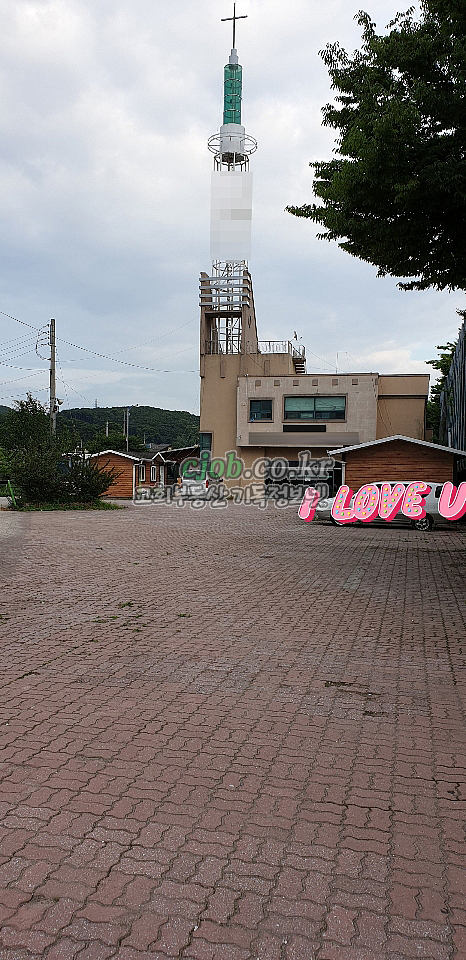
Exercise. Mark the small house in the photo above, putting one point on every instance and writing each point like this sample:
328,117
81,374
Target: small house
397,458
134,470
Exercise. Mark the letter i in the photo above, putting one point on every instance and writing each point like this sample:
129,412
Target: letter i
308,504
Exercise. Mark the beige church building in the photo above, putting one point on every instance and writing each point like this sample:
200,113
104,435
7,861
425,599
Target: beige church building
258,399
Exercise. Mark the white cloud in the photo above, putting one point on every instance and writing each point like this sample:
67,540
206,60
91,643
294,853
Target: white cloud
105,179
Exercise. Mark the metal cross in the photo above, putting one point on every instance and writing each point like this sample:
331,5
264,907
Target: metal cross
234,18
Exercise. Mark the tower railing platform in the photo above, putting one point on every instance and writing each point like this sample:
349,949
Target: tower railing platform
282,346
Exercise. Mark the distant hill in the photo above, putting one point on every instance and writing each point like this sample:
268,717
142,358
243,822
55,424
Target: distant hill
176,427
3,409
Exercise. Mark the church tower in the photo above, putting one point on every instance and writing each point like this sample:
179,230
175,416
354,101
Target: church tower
228,289
229,347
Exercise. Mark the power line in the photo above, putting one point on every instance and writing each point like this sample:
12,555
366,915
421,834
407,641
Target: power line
14,367
16,342
36,390
103,356
175,329
125,363
78,394
327,364
17,379
18,321
16,356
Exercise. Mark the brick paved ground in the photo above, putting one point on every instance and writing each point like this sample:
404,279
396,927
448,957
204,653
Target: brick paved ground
228,735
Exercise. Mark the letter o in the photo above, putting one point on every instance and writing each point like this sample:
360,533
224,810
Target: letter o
366,503
278,468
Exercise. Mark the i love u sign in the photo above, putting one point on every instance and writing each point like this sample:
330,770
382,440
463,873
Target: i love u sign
384,501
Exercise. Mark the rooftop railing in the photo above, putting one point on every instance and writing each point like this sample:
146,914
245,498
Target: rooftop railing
282,346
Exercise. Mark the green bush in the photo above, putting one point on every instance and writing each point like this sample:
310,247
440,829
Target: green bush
41,467
87,482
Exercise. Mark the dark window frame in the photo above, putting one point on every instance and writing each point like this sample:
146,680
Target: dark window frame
261,419
203,446
319,419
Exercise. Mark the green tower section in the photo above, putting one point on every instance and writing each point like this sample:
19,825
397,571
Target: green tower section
232,87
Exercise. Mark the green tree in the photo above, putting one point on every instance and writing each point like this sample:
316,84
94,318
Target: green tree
42,467
33,457
395,194
443,364
86,481
114,441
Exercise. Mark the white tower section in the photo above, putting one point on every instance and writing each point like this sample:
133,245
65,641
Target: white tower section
231,188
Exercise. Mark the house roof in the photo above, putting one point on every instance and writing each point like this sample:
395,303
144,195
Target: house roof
180,454
421,443
119,453
194,446
150,455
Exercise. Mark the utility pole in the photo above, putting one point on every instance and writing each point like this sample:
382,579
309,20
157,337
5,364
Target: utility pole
106,429
53,398
127,428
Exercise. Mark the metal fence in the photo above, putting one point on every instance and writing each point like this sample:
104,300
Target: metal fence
282,346
452,432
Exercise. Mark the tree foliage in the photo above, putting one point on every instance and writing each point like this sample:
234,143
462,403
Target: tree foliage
395,194
42,467
176,427
443,364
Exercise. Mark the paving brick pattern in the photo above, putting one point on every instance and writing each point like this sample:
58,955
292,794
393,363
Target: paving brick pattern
229,735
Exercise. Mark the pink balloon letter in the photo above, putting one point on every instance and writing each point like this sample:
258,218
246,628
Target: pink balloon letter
390,500
456,508
340,509
308,504
366,503
413,503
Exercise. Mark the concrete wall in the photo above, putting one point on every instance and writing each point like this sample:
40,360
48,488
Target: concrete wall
359,425
220,375
401,405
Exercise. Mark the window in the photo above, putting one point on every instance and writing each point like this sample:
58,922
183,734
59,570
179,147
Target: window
153,474
315,408
205,441
260,409
142,473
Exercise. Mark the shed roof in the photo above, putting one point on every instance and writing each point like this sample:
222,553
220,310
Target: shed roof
421,443
118,453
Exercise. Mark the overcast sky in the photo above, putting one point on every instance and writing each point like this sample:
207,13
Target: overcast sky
104,197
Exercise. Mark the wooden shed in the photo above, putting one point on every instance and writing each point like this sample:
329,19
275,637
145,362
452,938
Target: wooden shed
131,469
398,458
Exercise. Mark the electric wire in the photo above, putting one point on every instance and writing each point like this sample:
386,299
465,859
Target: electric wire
103,356
17,379
36,390
15,344
61,371
14,367
16,356
78,394
18,321
125,363
175,329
